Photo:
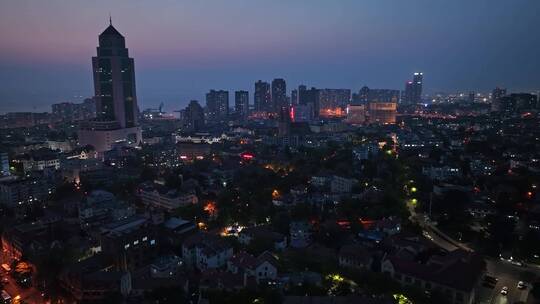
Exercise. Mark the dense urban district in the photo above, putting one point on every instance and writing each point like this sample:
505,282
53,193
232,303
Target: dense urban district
320,196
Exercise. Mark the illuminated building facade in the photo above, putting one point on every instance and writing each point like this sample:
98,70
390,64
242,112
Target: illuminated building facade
382,112
333,101
356,114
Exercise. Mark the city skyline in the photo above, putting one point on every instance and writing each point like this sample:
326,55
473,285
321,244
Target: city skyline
280,152
351,45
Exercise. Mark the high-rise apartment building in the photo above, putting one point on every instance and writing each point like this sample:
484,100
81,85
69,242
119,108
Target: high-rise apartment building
68,111
310,97
279,94
262,96
241,104
334,98
413,89
361,97
382,95
217,105
194,117
294,97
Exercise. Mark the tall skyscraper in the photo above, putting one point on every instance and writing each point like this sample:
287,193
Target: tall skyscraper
114,80
279,94
217,105
194,116
116,100
413,89
241,103
262,96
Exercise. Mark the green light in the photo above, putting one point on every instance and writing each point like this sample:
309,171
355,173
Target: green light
413,189
402,299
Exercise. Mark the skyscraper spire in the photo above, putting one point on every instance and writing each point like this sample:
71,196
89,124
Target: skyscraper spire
110,19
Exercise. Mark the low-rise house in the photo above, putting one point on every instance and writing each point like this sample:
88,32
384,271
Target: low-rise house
38,160
86,152
31,240
480,210
101,207
351,299
91,280
249,234
441,172
130,244
455,275
300,233
340,184
17,191
320,180
224,280
262,268
167,199
366,151
72,168
165,266
205,251
389,225
175,229
355,256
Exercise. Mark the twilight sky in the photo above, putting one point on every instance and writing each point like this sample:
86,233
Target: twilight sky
183,48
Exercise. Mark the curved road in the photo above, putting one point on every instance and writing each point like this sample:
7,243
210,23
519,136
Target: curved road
508,274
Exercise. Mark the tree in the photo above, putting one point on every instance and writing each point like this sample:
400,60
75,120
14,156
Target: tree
167,295
535,291
260,245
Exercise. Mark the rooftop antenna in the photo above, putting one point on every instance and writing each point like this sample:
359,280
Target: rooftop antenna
110,19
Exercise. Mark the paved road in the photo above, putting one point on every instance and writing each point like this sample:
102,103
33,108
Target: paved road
28,295
509,275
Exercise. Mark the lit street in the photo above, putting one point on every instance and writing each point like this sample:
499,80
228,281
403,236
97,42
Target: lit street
289,152
27,295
